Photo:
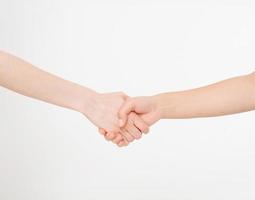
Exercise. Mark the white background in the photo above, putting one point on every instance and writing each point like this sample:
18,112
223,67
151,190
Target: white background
142,48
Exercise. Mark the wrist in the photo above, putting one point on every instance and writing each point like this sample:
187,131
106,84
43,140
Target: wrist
158,105
157,101
166,104
86,101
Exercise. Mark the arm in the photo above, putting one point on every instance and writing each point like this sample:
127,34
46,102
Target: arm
101,109
23,78
230,96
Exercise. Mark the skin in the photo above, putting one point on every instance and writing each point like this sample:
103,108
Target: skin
227,97
101,109
230,96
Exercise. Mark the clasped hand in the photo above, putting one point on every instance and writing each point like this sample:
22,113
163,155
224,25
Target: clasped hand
122,119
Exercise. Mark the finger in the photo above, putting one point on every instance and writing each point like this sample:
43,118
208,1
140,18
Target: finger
125,109
124,139
117,139
133,130
114,129
139,123
110,136
122,143
102,131
127,136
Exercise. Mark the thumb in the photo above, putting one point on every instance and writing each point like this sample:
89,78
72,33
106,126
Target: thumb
127,107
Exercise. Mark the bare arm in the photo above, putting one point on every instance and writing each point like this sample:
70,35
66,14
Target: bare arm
101,109
230,96
22,77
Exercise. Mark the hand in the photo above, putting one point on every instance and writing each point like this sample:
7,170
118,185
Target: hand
103,113
133,129
145,107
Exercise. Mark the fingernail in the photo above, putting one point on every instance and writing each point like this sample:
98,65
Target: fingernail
146,131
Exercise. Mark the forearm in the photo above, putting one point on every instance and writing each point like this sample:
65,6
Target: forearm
226,97
21,77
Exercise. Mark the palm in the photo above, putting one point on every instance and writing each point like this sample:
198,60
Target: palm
104,113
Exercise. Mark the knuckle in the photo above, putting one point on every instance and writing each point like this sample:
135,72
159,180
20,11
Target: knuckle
132,116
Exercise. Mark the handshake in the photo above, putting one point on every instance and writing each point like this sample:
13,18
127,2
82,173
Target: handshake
121,119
